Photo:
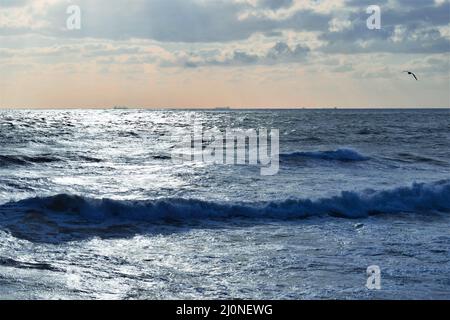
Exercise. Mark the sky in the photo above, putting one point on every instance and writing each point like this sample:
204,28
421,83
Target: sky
217,53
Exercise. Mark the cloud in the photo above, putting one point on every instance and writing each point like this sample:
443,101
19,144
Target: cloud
186,21
13,3
279,53
276,4
225,33
407,27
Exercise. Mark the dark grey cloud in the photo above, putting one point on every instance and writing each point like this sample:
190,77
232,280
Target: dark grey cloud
281,52
365,3
276,4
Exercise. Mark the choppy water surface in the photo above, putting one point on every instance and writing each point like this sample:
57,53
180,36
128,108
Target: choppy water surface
91,206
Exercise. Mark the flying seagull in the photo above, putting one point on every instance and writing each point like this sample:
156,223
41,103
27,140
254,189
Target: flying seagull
412,74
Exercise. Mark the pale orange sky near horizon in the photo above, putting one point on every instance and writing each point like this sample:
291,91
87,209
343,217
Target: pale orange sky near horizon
200,91
277,64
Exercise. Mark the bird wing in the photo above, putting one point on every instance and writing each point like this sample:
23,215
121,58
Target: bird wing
414,76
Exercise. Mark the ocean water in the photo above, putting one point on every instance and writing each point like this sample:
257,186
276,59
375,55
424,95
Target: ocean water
92,207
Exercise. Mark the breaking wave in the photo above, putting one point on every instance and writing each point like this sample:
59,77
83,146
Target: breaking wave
418,198
336,155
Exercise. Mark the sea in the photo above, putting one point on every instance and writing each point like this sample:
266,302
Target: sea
92,206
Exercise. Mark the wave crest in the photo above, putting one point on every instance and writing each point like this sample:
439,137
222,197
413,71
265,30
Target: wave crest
9,160
418,198
28,160
337,155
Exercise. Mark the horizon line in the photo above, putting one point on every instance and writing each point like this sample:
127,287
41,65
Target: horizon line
222,108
